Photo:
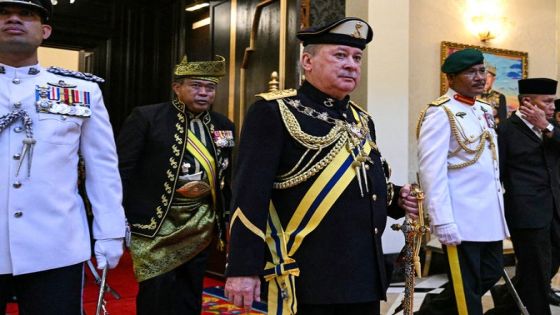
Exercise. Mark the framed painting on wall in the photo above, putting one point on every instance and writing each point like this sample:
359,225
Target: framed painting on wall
510,66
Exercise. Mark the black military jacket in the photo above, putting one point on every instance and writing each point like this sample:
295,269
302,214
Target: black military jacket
342,260
151,146
529,171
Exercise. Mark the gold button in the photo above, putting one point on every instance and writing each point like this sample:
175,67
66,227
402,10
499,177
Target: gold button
374,197
375,231
367,167
17,156
17,105
16,81
17,185
18,214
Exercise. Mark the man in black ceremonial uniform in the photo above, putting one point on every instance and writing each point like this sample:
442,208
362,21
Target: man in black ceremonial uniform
174,160
312,196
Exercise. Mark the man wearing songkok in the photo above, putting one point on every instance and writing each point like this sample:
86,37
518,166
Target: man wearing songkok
529,157
175,165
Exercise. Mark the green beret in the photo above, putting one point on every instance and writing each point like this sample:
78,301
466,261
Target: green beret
461,60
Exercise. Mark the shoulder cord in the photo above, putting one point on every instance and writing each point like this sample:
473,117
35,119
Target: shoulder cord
336,134
28,141
485,136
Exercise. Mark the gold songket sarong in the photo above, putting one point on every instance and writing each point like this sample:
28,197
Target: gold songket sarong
187,229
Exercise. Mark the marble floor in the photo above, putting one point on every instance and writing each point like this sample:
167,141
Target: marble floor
395,293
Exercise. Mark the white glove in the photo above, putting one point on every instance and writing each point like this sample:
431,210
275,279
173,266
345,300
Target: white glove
448,234
108,251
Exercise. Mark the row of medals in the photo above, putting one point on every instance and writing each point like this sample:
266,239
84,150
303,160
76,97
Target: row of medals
46,105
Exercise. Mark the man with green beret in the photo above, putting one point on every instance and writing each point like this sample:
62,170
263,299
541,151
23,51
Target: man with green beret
496,99
529,162
174,159
458,167
312,196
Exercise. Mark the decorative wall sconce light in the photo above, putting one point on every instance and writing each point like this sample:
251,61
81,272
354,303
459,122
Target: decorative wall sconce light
485,18
197,5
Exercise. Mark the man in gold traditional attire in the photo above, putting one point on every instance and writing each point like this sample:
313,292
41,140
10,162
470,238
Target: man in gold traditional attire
174,163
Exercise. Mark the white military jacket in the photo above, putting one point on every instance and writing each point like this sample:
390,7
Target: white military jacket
460,187
43,222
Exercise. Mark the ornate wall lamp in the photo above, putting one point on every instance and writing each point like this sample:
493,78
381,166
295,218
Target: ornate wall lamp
485,19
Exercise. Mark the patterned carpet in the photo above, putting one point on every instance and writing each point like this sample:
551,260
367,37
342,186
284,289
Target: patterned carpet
214,302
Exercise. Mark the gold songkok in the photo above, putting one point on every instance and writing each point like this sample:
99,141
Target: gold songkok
201,70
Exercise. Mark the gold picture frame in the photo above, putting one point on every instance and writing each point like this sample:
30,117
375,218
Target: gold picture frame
511,65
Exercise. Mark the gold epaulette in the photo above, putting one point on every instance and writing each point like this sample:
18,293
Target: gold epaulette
274,95
358,107
440,100
483,101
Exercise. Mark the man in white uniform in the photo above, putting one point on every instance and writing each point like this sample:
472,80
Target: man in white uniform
47,116
459,171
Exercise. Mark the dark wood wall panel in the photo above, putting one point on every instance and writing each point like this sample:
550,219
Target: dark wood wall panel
323,12
220,38
293,46
136,44
265,58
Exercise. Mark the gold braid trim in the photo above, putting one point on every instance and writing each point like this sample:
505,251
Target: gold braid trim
420,120
313,170
305,139
151,226
337,134
485,136
438,102
238,214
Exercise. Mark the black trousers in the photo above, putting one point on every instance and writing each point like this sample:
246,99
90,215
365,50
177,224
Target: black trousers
371,308
532,255
533,250
481,265
51,292
555,242
177,292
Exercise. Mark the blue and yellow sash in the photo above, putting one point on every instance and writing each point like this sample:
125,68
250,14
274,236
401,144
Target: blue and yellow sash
206,160
314,206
